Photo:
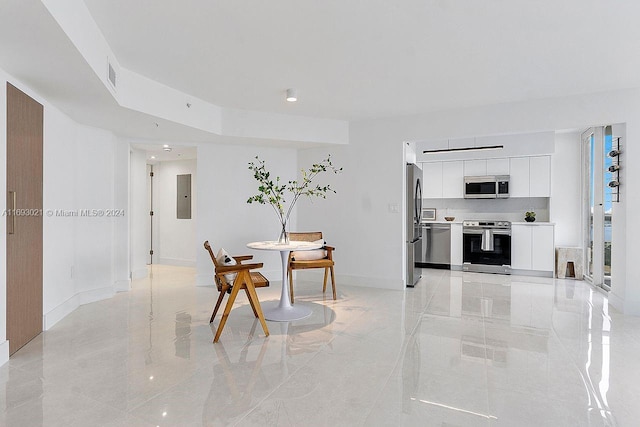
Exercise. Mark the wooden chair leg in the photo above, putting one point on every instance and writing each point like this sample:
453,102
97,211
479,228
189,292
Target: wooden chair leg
225,314
324,283
256,303
291,285
333,283
215,310
246,291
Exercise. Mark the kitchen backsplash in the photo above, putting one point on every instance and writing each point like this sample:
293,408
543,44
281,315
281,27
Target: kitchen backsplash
512,209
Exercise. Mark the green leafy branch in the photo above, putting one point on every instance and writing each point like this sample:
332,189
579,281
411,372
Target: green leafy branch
272,191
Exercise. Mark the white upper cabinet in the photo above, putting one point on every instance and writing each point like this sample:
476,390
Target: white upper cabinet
519,177
432,180
483,167
475,167
540,176
498,166
453,180
530,176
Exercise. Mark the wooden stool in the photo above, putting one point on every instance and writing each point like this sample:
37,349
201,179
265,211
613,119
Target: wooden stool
569,263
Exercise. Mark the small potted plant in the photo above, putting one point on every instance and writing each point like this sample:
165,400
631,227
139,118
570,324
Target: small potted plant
530,216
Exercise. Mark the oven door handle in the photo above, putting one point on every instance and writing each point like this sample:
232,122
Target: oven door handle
480,231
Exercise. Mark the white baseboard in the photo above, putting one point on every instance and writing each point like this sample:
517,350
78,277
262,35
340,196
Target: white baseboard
4,352
122,285
64,309
627,307
616,301
204,280
365,282
140,273
532,273
177,261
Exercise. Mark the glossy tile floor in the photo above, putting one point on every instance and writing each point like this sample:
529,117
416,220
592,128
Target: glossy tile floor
460,349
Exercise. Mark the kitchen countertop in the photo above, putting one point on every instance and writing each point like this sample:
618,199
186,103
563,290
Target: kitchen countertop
440,222
533,223
512,222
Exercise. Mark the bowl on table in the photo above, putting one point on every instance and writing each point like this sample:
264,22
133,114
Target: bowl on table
449,218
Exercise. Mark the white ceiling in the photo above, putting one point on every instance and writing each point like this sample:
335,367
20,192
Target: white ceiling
347,59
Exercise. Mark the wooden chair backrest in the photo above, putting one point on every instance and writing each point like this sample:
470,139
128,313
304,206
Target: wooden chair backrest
207,246
219,278
310,236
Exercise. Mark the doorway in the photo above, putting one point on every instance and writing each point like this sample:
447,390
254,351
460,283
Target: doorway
162,231
598,145
25,121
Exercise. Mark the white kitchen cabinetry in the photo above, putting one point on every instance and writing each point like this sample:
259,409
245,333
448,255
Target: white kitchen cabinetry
475,167
453,180
456,246
498,166
432,180
542,248
519,177
486,167
530,176
521,247
540,176
532,247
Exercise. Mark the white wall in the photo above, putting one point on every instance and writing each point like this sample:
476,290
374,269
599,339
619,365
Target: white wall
369,237
82,256
139,218
94,184
120,233
224,217
176,242
59,232
566,195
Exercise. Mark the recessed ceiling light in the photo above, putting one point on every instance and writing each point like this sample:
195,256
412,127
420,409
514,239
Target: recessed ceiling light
292,96
153,157
165,146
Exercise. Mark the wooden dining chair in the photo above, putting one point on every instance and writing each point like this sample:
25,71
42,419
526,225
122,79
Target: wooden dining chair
321,258
244,279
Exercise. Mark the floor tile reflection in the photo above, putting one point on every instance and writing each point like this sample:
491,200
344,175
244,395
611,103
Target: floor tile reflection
459,349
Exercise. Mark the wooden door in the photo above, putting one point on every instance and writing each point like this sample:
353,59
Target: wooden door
24,218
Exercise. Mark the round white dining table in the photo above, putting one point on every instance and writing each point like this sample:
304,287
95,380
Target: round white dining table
283,310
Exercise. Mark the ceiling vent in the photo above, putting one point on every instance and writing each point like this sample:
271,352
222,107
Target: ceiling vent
112,76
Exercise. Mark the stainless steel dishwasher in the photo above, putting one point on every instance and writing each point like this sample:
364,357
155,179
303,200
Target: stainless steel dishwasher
436,246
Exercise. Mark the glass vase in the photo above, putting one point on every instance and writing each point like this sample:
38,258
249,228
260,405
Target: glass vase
283,239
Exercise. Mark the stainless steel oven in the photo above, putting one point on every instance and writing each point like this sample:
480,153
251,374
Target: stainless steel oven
486,246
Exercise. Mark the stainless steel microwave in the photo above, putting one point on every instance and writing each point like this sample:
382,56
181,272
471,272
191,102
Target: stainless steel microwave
486,187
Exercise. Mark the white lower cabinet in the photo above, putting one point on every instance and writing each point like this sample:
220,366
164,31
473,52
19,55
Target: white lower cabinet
543,251
456,244
521,247
532,247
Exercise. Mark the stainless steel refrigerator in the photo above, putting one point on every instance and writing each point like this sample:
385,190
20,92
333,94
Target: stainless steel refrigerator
414,215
